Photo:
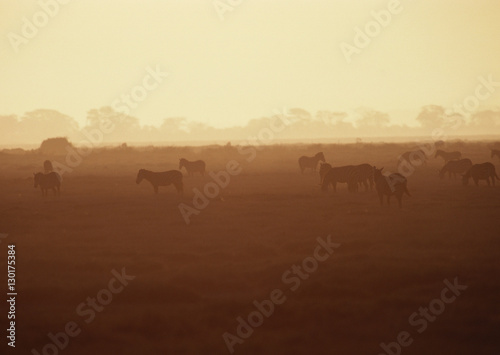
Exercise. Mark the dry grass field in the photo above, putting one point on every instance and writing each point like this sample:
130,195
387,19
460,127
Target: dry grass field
193,281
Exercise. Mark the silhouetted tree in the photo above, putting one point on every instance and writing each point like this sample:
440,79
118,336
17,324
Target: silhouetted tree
55,146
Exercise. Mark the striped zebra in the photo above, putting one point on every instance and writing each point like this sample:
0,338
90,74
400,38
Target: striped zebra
455,167
352,175
414,157
164,178
48,181
310,162
192,167
394,184
47,166
495,152
447,156
483,171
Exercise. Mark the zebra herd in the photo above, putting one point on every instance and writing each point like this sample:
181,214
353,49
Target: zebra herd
354,176
395,183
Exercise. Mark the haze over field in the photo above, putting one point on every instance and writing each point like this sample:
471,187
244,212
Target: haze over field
249,177
186,70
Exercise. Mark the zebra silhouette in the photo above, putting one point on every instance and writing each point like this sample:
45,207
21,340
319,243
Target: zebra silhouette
352,175
393,184
310,162
50,181
483,171
455,167
192,167
164,178
447,156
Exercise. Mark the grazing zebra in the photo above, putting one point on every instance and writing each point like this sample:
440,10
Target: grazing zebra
353,175
48,181
310,162
447,156
483,171
164,178
192,167
413,156
495,152
47,166
394,184
455,167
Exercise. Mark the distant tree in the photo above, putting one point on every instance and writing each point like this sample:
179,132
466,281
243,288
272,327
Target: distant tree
487,119
125,127
300,114
54,146
373,119
42,123
432,116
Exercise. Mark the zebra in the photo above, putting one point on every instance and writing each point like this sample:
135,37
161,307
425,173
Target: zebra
495,152
413,156
455,167
394,184
477,172
364,175
164,178
48,181
192,167
353,175
47,166
335,175
310,162
447,156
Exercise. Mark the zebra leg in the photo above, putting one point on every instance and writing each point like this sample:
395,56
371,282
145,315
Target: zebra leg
156,188
476,181
388,200
381,198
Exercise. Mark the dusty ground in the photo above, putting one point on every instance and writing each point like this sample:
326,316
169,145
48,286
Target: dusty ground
193,281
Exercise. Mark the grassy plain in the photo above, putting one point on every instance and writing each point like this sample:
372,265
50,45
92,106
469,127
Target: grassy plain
193,281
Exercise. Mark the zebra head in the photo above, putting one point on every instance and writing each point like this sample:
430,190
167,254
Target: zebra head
321,156
140,176
182,162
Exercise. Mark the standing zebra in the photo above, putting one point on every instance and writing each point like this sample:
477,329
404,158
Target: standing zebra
394,184
455,167
192,167
477,172
413,157
310,162
352,175
495,152
447,156
164,178
340,174
48,181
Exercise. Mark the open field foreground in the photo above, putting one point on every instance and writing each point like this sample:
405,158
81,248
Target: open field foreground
187,285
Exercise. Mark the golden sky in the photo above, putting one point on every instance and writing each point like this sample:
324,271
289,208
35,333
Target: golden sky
264,55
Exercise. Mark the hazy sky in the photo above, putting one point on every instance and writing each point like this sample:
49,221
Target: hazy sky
264,55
